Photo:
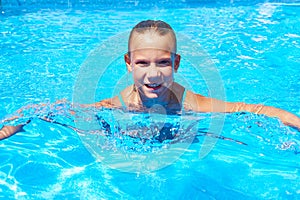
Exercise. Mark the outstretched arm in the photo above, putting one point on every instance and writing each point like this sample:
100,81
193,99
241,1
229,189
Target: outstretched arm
286,117
204,104
8,131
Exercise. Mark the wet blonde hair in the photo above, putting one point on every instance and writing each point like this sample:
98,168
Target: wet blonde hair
160,27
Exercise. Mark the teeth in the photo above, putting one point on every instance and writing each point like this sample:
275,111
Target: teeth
153,85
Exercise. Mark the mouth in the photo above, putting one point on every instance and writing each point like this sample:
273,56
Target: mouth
153,86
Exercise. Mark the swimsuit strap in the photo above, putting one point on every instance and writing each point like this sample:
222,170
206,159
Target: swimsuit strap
183,99
121,100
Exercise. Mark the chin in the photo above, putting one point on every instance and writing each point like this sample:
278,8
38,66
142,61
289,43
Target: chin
149,95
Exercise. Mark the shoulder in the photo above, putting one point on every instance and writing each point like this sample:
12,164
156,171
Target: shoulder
191,96
200,103
114,102
196,102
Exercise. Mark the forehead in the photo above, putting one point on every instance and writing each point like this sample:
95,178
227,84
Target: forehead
152,40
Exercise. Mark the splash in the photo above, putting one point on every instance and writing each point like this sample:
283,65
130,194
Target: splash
149,132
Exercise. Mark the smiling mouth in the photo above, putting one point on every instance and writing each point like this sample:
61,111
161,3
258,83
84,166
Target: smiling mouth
153,86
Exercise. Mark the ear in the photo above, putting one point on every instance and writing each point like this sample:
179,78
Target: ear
128,62
177,62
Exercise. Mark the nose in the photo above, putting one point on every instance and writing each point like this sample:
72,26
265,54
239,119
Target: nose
153,72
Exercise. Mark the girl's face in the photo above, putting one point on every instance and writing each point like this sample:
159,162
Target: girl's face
153,64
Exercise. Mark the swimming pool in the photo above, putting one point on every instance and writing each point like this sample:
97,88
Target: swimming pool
255,48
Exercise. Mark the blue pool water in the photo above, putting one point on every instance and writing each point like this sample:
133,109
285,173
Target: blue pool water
255,49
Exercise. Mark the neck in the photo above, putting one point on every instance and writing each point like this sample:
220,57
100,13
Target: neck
149,102
163,100
171,100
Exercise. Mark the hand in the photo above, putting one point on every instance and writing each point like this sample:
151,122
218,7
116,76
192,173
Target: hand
8,131
291,120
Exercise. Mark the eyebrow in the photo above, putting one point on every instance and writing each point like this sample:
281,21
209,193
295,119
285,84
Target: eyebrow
159,59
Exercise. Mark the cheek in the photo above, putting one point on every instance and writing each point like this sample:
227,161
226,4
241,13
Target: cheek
167,73
137,74
140,73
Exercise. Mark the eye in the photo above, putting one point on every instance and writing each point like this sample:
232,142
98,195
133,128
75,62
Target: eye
166,62
141,63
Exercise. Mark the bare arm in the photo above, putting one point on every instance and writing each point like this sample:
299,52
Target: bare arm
286,117
8,131
107,103
204,104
